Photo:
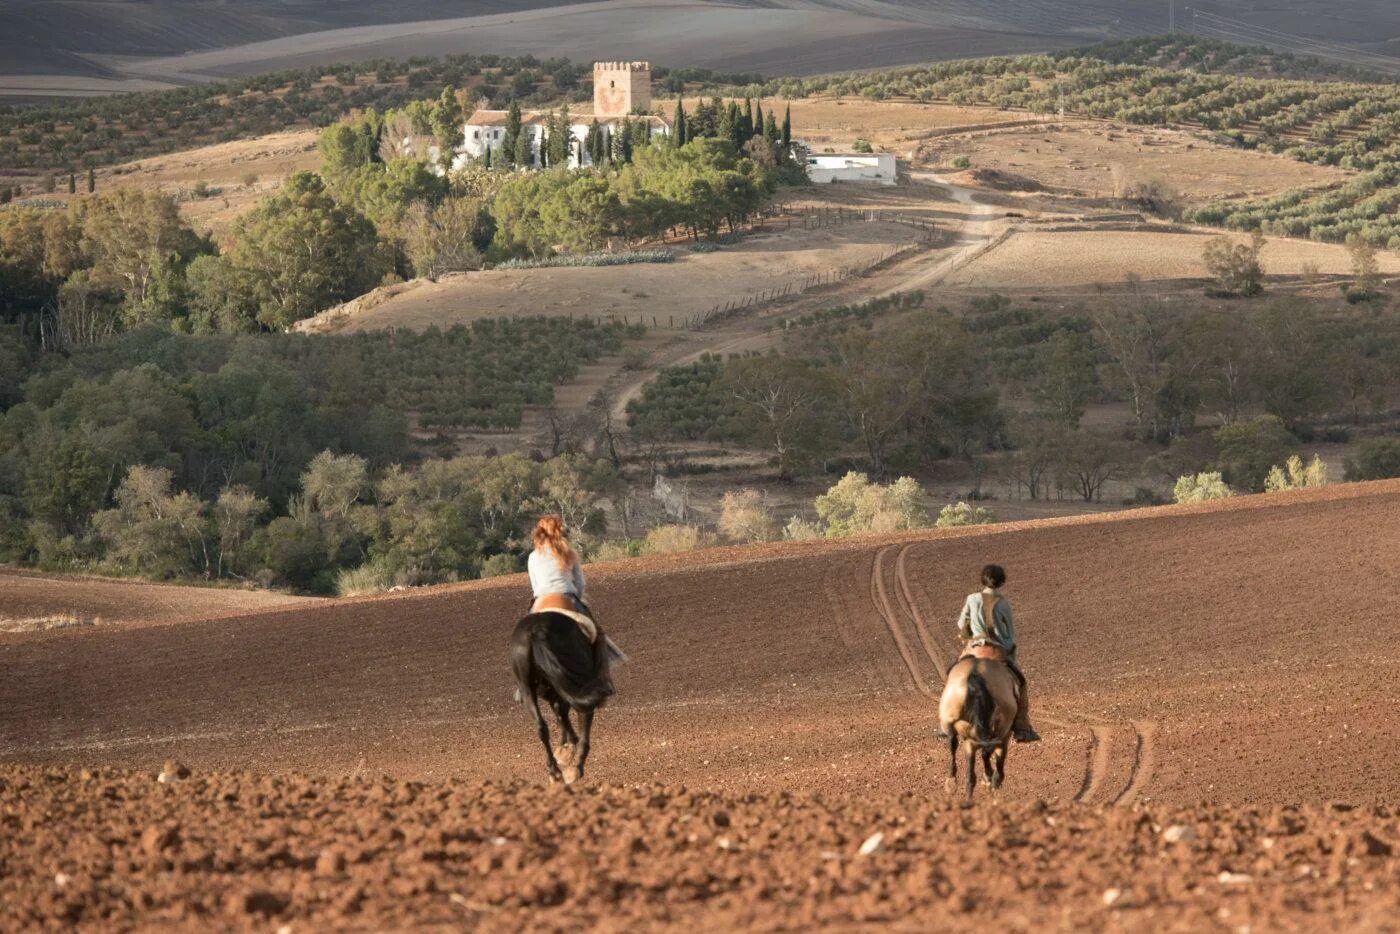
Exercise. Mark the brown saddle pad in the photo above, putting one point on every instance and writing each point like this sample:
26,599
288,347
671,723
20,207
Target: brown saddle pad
993,652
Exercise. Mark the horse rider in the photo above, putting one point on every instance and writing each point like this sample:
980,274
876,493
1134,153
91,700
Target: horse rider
554,566
556,579
987,632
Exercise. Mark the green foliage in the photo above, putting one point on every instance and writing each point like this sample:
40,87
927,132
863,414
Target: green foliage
627,258
1295,475
300,252
1249,450
960,514
1200,488
686,403
1376,459
499,565
854,505
1236,265
744,517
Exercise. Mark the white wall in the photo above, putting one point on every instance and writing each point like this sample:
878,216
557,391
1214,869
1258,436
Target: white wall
876,167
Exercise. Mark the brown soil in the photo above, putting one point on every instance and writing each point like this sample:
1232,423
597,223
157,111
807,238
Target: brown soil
1174,653
99,601
234,851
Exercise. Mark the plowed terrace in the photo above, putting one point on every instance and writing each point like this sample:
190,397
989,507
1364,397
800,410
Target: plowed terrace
1243,654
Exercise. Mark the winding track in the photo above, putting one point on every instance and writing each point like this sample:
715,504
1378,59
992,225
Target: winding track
803,666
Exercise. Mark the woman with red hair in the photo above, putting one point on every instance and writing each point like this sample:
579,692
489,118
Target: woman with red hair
554,565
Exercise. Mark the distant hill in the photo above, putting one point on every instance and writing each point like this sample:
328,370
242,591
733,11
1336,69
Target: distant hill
79,47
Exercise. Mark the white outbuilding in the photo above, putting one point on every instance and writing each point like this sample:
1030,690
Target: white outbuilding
877,167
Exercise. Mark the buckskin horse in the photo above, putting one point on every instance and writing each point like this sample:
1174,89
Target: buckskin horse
562,657
977,709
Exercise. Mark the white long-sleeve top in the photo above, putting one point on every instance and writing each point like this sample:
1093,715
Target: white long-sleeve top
977,629
546,576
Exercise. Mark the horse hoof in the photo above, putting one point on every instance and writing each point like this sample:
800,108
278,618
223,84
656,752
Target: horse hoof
571,775
564,755
950,787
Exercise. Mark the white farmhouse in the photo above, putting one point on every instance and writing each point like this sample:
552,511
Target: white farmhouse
621,92
877,167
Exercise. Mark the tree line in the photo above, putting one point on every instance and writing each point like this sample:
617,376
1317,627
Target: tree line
999,387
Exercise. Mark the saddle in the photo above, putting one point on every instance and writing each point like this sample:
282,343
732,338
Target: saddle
564,605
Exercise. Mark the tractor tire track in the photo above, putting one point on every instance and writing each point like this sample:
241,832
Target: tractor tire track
1143,762
879,595
1097,762
925,634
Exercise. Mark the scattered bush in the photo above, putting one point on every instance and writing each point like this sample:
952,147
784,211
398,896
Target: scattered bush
1376,459
1201,488
671,539
962,162
1294,475
591,259
960,513
799,529
862,145
1236,265
744,517
499,565
855,505
374,576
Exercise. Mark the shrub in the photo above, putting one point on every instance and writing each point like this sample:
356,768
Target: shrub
616,551
862,145
374,576
1376,459
1200,488
744,517
1249,449
854,505
962,162
799,529
499,565
1236,265
671,539
1295,476
956,514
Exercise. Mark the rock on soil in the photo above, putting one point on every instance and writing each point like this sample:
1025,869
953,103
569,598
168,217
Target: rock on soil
109,849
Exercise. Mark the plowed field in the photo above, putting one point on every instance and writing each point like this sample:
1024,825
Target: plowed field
776,714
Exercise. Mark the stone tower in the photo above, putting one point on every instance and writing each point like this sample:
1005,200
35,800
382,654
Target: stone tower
619,88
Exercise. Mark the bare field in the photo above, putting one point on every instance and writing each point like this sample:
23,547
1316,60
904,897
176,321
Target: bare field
32,595
668,293
776,715
1077,158
1087,257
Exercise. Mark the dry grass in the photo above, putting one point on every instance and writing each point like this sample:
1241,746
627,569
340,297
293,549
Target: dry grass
46,623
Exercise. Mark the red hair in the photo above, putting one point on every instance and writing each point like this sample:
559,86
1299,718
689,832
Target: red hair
549,536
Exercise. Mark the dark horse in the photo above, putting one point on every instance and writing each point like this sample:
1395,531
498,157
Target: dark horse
554,661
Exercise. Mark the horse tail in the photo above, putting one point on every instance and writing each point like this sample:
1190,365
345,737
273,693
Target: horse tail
979,709
576,670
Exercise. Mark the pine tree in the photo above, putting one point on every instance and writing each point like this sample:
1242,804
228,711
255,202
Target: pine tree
678,131
92,180
72,183
510,137
758,117
787,127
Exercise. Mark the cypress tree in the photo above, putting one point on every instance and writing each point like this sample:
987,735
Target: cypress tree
787,127
5,196
678,130
747,117
72,183
524,157
758,117
511,135
488,156
770,129
92,180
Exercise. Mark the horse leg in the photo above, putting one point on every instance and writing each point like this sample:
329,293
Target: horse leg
971,773
1000,764
585,722
550,761
950,783
987,763
568,747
